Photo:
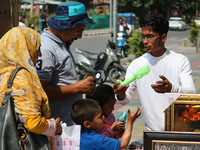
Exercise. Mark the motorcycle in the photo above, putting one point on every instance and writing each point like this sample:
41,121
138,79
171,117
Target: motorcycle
121,44
88,63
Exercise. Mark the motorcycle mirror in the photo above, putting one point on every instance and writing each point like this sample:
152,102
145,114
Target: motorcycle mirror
112,44
100,77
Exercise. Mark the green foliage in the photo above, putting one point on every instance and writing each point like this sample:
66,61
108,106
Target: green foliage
137,25
143,7
91,11
194,31
136,44
32,20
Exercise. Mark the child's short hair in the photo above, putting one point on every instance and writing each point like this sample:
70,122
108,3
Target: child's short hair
84,110
102,94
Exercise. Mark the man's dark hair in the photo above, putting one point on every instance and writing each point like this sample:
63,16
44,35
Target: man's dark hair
102,94
84,110
156,22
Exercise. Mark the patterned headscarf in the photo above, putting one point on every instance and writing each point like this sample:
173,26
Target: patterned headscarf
18,48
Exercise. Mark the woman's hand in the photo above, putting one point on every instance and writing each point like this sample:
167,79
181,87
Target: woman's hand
58,127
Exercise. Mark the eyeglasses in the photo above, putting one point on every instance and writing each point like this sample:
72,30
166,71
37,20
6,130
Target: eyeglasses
150,37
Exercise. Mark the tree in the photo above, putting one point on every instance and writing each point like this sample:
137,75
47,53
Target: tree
85,2
194,32
136,45
142,7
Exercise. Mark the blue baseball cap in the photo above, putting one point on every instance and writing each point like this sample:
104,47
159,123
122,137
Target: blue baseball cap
68,15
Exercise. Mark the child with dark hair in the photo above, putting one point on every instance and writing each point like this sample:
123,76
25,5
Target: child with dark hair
88,114
105,96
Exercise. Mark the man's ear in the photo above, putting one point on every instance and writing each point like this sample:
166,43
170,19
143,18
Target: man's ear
86,124
164,38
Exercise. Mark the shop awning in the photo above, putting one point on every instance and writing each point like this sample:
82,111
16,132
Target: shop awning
41,2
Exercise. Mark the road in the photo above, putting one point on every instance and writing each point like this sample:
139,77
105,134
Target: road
92,43
98,43
175,39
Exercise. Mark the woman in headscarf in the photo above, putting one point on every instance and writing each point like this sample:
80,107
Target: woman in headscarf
20,47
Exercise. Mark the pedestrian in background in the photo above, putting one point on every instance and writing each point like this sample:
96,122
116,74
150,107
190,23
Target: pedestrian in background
21,23
44,19
122,26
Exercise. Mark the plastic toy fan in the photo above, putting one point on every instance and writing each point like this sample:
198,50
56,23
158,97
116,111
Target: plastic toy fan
138,75
123,117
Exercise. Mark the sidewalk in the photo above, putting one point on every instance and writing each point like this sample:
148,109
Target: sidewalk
96,32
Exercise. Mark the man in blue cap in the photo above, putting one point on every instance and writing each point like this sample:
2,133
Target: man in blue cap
56,68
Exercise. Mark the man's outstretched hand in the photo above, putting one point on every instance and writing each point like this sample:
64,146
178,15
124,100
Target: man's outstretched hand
163,86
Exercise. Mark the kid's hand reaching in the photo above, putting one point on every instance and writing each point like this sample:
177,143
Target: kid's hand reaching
125,139
118,126
132,117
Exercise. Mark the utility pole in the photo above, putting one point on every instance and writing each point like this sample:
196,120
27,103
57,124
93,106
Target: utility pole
111,13
197,10
115,21
32,4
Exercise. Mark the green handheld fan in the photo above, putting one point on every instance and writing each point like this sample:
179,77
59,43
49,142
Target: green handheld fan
138,75
123,117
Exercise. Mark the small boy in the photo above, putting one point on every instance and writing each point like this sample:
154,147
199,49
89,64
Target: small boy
88,114
105,96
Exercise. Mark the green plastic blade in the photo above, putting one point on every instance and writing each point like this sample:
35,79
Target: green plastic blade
138,75
123,116
142,72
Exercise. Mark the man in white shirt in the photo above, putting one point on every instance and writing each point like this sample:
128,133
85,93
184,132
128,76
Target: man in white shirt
169,72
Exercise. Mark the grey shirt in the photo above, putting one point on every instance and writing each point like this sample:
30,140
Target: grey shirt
56,66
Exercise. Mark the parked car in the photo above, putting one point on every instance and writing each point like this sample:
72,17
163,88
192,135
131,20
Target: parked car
177,23
197,21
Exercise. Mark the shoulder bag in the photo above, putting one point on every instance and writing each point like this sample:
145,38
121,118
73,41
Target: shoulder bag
13,135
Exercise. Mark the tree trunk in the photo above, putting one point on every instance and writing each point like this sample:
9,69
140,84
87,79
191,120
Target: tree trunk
8,15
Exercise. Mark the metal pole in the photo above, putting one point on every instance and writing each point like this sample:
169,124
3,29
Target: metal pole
111,13
197,46
196,10
115,21
32,4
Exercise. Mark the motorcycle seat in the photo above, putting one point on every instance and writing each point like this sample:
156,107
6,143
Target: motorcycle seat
87,54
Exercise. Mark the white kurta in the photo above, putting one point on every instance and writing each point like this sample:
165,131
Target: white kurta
175,67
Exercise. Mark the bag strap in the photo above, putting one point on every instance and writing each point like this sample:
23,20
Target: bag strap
12,76
10,82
